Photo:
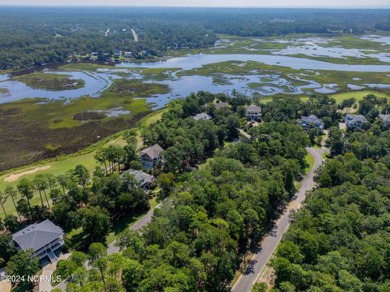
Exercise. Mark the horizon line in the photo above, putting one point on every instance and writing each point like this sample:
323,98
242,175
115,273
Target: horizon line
203,7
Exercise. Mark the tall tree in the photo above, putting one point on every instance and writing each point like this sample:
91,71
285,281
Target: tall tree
13,194
3,200
23,264
25,188
63,181
36,182
81,174
42,183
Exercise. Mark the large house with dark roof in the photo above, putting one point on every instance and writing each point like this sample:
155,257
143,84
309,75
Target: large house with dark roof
221,105
43,238
144,179
150,156
253,113
311,121
385,119
355,122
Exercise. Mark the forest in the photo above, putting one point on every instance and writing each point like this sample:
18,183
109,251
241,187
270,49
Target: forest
340,240
35,36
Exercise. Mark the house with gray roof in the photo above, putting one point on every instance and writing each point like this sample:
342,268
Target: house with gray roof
150,156
142,178
202,116
385,119
355,122
311,121
43,238
253,112
221,105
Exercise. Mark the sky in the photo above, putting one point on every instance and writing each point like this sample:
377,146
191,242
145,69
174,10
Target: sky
208,3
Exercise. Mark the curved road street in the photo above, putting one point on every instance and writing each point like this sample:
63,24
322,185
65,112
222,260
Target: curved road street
260,259
111,248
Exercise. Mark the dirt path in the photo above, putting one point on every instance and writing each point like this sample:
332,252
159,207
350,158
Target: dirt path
15,176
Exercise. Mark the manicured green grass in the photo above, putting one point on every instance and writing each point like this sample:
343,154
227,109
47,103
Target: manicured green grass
358,95
310,161
53,82
127,222
268,99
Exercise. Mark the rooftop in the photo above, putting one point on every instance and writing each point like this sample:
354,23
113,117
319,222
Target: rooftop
221,105
142,177
153,151
253,108
36,236
385,117
355,118
202,116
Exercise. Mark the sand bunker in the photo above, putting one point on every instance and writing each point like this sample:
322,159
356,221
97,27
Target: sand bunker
15,176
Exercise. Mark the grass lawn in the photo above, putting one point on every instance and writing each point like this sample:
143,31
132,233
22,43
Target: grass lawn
310,161
127,222
358,95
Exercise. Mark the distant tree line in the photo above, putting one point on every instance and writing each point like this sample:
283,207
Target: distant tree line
37,36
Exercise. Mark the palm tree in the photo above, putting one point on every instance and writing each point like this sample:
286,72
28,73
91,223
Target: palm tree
51,180
101,157
63,180
13,194
3,200
25,188
41,184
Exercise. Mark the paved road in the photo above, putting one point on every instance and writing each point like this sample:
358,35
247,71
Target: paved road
269,244
111,248
145,220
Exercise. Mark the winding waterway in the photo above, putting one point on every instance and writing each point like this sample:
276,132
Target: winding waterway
100,80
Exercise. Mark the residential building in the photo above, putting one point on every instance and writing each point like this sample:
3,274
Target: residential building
253,113
43,238
144,179
385,119
311,121
150,156
202,116
221,105
355,122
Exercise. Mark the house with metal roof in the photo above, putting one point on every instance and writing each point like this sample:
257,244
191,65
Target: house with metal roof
142,178
385,119
221,105
311,121
150,156
253,112
202,116
43,238
355,122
